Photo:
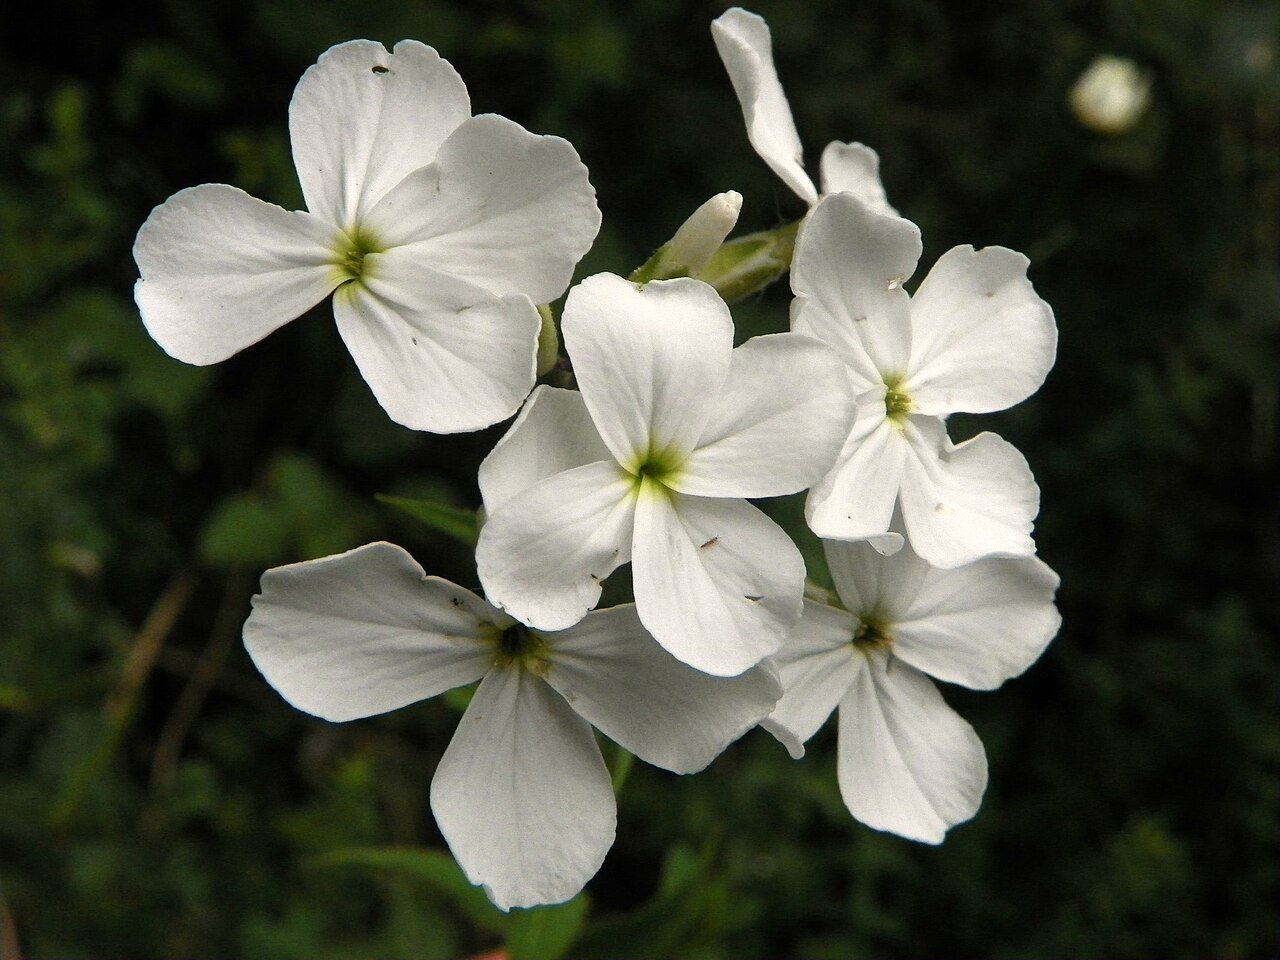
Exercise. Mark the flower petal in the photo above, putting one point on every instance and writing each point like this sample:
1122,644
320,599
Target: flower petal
776,428
221,270
362,119
522,794
507,210
855,168
542,554
717,582
817,665
552,434
981,340
650,360
614,674
365,632
847,275
868,583
907,763
976,625
746,48
961,503
439,353
855,500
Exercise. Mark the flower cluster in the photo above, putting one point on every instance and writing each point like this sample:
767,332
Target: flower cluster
443,237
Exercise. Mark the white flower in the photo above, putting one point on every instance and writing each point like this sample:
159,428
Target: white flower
974,338
906,762
745,46
439,231
1111,95
650,464
521,795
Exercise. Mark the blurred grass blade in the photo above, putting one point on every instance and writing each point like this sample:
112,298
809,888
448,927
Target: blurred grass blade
546,933
434,868
447,519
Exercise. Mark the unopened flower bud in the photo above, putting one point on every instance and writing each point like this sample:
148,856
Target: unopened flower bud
1111,95
696,242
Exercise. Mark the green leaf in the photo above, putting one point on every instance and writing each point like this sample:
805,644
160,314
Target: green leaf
245,531
434,868
546,933
445,518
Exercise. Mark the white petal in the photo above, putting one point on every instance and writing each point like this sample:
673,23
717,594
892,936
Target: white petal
817,664
365,632
614,674
500,207
542,555
362,119
907,763
717,582
746,48
439,353
847,274
650,360
976,625
221,270
981,340
776,428
522,794
870,584
855,168
854,501
552,434
961,503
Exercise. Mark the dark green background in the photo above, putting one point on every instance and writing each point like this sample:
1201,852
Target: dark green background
157,799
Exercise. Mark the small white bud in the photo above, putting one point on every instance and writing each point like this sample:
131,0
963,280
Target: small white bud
696,242
1111,95
700,236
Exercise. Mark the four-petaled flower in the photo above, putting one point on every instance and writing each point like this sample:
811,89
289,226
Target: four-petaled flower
907,763
521,794
974,338
438,231
745,46
651,462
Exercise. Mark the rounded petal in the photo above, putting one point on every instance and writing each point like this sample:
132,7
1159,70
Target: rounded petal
650,360
221,270
976,625
849,265
522,794
778,424
855,500
500,207
981,340
362,119
817,665
613,673
746,48
439,353
855,168
543,554
716,582
870,584
907,763
962,503
365,632
552,434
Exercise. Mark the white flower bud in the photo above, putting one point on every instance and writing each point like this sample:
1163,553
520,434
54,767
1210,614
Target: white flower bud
696,242
1111,95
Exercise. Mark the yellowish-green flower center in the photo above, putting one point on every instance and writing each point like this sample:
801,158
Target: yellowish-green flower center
897,402
659,466
352,248
520,647
872,634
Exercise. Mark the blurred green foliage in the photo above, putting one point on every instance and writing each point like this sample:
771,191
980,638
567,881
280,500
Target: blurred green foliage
158,800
